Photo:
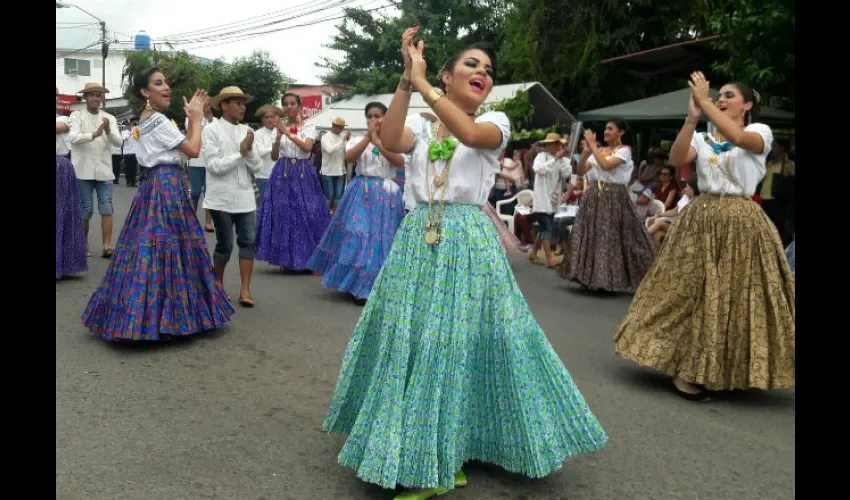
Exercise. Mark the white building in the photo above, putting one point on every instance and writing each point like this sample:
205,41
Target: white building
76,68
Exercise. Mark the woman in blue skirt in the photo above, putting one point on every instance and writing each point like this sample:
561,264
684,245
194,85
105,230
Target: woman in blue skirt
361,232
160,281
294,213
433,376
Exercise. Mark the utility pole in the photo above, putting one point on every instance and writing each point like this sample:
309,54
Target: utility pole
104,51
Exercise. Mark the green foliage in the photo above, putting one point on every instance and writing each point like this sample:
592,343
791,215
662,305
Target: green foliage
257,75
758,37
518,108
371,43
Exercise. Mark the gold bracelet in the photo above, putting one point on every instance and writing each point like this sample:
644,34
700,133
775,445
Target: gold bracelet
432,96
405,85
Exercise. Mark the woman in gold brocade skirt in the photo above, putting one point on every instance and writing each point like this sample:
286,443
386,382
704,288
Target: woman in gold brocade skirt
716,311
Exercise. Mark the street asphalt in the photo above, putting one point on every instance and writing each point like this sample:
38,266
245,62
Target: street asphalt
236,414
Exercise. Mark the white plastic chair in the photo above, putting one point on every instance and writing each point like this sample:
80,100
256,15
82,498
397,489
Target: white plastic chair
661,208
522,198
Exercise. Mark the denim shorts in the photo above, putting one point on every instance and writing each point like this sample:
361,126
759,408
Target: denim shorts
87,188
545,223
197,181
333,186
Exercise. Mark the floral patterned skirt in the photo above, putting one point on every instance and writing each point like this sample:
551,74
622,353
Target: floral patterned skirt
447,365
609,248
359,237
717,308
160,280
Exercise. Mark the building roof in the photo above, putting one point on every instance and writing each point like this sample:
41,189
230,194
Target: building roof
669,106
547,109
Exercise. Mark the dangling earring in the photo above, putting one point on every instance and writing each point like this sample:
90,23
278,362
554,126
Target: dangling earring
148,105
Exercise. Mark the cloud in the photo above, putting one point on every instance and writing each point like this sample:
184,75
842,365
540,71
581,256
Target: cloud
296,51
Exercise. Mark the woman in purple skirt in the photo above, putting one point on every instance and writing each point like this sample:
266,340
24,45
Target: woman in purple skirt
70,237
294,213
160,281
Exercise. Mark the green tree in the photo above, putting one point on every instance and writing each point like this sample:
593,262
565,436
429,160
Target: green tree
371,42
757,37
183,71
257,75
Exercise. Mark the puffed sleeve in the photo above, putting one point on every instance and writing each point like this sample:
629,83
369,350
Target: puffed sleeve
697,140
766,135
418,125
624,154
501,121
164,133
309,131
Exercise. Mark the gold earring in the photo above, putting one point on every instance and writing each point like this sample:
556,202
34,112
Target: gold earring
148,105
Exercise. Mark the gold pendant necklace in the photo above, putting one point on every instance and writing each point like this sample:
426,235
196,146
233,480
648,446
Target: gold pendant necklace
433,226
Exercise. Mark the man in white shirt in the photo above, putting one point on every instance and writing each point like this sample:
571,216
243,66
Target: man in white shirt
93,134
333,163
550,168
230,161
264,139
197,172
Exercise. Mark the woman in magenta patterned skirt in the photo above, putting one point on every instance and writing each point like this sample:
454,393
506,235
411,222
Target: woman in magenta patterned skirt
294,213
160,281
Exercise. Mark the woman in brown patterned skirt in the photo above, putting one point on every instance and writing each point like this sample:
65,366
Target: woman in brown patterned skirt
609,248
716,312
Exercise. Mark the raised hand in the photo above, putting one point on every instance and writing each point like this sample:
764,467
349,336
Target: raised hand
590,137
418,69
406,41
699,89
194,108
247,143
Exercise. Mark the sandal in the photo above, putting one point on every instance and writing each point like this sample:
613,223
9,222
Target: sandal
460,482
209,229
700,397
246,302
107,253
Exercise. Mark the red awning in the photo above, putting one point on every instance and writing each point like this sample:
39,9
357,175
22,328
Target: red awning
63,103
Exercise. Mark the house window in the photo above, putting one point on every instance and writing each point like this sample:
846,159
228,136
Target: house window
79,67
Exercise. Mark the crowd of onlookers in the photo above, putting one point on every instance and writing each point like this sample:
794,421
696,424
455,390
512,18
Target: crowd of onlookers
660,191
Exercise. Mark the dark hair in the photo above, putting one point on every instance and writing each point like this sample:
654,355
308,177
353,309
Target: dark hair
141,81
749,95
693,183
450,64
622,125
290,94
375,104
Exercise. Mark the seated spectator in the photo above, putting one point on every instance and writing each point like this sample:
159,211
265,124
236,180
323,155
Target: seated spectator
659,225
522,225
649,169
570,199
645,209
667,190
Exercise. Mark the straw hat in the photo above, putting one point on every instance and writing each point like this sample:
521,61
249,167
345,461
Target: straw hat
550,138
269,108
227,93
93,87
339,122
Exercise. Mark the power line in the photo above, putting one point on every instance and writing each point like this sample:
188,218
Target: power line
255,35
327,5
250,35
250,20
77,50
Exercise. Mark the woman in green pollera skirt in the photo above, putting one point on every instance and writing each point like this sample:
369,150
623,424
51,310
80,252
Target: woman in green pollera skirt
434,376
